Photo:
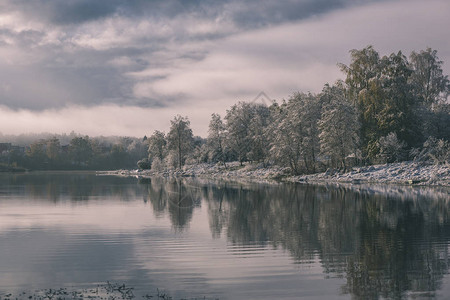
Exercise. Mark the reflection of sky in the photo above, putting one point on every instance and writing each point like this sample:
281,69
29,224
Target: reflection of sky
45,244
74,230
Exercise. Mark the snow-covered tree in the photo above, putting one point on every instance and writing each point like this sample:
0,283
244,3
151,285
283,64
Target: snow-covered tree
429,83
295,141
157,145
259,133
216,139
364,67
382,93
434,150
180,138
309,114
339,126
285,146
391,148
238,120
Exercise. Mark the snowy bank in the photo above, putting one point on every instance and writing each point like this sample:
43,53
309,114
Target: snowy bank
233,171
396,173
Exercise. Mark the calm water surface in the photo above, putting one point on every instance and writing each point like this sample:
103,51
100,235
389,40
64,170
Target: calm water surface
194,238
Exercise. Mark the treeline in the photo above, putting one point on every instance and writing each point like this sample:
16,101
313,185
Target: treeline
81,153
388,109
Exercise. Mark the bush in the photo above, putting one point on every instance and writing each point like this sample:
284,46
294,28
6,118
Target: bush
434,150
144,164
391,148
157,165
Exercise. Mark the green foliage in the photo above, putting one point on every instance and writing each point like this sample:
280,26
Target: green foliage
389,91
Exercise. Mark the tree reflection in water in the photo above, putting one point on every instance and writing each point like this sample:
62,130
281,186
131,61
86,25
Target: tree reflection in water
175,196
384,244
385,241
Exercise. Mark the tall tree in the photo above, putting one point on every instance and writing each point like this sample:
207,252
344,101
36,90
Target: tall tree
216,139
339,126
381,90
365,91
53,149
429,83
285,146
157,145
295,141
36,154
259,133
80,150
397,111
180,138
363,68
238,120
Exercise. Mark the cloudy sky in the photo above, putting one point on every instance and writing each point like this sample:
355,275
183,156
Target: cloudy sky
117,67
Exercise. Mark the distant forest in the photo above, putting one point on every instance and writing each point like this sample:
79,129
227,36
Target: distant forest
388,109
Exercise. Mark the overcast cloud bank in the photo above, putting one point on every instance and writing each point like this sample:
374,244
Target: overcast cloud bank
126,68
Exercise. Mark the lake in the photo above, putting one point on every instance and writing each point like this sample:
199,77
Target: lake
194,238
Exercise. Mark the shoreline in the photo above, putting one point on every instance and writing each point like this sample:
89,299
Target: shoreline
403,173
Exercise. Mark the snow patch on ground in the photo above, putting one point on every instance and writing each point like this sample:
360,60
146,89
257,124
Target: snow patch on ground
395,173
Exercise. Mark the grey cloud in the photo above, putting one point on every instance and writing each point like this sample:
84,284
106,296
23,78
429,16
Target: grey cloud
24,38
251,13
62,12
71,70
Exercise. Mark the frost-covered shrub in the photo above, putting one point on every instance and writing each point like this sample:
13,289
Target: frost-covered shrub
144,164
157,165
199,155
171,160
391,148
434,150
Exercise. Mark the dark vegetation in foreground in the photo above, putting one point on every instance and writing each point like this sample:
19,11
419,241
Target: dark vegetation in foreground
388,109
108,291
